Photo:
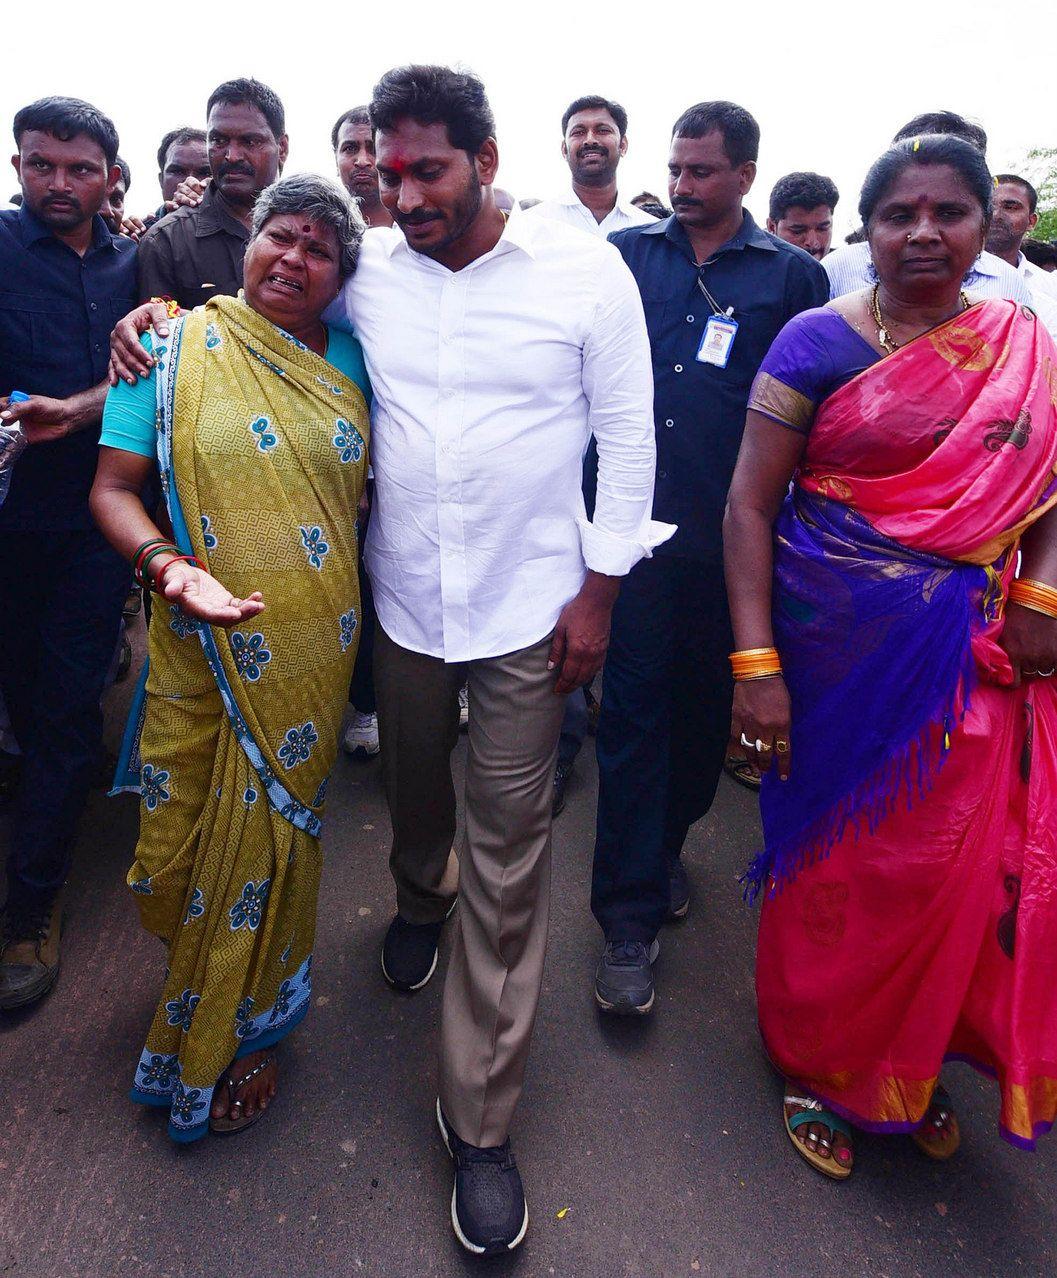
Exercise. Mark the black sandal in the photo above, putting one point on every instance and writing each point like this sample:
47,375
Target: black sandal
742,771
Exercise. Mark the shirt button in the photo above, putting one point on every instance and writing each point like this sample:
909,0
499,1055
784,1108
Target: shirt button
449,393
662,474
93,306
689,319
669,422
678,368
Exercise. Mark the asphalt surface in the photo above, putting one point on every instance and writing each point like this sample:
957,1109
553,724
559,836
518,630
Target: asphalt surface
648,1147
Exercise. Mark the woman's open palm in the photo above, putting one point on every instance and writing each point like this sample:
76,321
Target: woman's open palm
204,598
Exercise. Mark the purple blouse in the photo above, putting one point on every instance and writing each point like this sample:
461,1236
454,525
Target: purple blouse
816,353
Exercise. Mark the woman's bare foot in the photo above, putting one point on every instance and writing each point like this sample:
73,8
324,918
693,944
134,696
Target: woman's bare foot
234,1102
820,1140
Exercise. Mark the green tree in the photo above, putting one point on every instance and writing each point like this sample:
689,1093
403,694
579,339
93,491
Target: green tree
1040,168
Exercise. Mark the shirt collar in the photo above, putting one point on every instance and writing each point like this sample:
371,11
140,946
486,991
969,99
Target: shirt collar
212,216
748,235
519,232
33,229
571,200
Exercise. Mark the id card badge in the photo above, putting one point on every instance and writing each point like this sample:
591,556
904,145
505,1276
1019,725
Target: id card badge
717,340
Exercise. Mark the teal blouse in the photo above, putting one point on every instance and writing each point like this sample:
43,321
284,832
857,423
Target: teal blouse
130,412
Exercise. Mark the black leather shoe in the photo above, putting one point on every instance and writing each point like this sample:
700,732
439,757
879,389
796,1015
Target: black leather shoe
488,1209
409,952
562,773
679,890
624,977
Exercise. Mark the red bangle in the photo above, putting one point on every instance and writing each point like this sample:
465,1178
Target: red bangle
155,584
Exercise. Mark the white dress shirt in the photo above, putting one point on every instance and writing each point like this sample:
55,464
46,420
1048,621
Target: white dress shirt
488,383
572,212
851,268
1037,278
1043,297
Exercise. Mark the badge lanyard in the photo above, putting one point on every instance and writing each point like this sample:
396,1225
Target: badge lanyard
720,330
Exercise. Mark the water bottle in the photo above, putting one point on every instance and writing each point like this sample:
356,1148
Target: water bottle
12,443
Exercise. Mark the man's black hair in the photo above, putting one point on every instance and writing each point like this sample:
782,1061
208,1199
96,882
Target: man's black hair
66,119
1041,253
592,102
740,132
435,95
1017,180
252,93
177,137
944,122
943,148
802,191
358,115
126,172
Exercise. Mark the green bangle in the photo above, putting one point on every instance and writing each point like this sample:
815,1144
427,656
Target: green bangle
167,549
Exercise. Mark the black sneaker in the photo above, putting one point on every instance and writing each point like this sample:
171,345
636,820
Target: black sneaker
562,773
679,891
488,1209
624,977
409,952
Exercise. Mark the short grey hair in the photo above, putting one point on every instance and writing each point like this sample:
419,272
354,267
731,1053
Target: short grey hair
321,201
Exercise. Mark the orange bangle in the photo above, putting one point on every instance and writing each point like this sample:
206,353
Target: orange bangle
1036,595
755,663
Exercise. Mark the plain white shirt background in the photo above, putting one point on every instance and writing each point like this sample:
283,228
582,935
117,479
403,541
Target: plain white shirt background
850,268
572,212
488,383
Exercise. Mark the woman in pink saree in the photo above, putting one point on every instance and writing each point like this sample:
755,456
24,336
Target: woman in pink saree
909,743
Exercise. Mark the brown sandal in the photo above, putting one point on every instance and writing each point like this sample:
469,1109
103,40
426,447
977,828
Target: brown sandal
228,1126
939,1114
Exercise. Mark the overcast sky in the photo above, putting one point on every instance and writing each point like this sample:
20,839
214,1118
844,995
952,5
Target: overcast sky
828,82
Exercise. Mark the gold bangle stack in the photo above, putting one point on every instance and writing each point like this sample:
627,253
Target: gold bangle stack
758,663
1036,595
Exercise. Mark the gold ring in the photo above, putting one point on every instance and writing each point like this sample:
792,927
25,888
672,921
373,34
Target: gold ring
781,745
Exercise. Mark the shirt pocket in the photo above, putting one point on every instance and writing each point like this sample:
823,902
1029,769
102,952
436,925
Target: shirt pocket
32,332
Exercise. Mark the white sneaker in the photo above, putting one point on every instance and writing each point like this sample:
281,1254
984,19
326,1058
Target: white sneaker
361,736
464,706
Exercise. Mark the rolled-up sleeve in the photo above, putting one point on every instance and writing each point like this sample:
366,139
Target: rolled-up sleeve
618,383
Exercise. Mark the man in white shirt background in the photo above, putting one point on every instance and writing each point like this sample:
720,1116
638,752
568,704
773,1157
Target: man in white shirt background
594,141
1015,217
851,268
487,572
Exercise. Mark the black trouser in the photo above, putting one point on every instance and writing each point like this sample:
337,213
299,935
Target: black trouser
61,595
662,735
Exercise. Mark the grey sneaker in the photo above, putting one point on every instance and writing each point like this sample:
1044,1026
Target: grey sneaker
624,977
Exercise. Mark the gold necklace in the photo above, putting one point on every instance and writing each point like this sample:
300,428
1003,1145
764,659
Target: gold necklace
884,335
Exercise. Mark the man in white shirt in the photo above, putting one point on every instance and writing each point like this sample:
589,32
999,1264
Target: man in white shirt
496,350
851,268
594,141
1013,218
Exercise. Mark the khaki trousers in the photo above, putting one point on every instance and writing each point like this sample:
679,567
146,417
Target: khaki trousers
496,969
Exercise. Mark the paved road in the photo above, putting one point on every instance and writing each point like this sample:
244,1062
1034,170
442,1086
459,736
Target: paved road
648,1148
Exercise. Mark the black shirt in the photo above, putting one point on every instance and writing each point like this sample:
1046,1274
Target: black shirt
699,409
193,254
56,313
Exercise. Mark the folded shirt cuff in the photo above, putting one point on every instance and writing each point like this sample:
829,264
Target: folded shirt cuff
615,556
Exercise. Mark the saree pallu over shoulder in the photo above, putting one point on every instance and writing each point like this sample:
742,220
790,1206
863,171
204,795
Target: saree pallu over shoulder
947,446
262,450
884,612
